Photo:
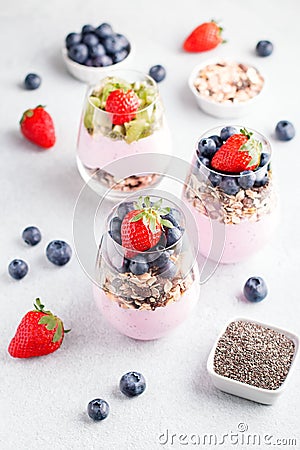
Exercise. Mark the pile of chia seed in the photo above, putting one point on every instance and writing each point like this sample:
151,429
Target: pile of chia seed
253,354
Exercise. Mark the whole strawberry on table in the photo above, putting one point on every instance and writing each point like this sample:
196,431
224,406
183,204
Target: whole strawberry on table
37,127
206,36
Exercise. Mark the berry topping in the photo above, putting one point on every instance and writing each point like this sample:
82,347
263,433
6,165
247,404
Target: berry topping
255,289
247,179
141,228
58,252
264,48
173,235
158,73
124,208
18,269
37,126
123,105
239,153
226,132
285,130
32,81
98,409
39,333
205,37
264,159
217,139
32,236
215,179
229,185
132,384
207,147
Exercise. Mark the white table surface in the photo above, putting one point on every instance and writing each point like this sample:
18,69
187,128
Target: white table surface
43,400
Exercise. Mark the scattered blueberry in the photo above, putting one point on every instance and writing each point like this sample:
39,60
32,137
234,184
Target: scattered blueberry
78,53
119,56
169,270
217,139
264,159
104,30
255,289
215,179
90,39
124,208
86,29
73,39
17,269
207,147
98,409
58,252
229,186
285,130
31,235
158,73
132,384
264,48
102,61
113,44
138,267
226,132
262,181
173,235
247,179
32,81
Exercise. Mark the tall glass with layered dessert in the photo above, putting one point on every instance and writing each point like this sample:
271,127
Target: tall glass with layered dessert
230,191
123,115
147,281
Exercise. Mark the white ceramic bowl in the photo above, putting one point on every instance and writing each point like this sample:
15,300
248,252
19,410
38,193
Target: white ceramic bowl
223,110
260,395
92,75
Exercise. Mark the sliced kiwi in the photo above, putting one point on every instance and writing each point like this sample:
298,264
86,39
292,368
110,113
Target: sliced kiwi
135,130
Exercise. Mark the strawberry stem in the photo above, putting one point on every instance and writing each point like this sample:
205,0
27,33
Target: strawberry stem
151,215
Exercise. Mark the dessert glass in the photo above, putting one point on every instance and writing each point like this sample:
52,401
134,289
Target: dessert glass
240,224
150,305
100,142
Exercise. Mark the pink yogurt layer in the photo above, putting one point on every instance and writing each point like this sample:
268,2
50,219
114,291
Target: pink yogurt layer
97,150
147,325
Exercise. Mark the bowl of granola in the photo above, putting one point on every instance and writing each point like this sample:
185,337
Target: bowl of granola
225,88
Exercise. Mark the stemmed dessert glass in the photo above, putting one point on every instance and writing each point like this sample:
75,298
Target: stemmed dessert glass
145,294
105,137
238,209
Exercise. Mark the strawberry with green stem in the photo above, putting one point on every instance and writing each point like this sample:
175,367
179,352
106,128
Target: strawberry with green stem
39,333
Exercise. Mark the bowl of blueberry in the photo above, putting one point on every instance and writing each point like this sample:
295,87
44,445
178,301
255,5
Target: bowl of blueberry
89,53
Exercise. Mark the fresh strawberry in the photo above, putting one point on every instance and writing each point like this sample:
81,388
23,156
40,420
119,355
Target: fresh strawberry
205,37
141,228
123,104
240,152
38,127
39,333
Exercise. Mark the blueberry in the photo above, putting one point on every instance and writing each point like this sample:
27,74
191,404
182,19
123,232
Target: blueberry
96,50
264,159
17,269
73,39
171,219
78,53
90,39
123,41
124,208
113,44
58,252
116,236
31,235
207,147
120,263
264,48
285,130
102,61
229,186
89,62
255,289
205,161
32,81
226,132
138,267
158,73
98,409
87,29
247,179
261,182
215,179
132,384
169,270
162,260
173,235
104,30
115,225
218,141
119,56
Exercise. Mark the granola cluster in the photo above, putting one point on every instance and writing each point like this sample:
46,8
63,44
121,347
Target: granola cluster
229,82
251,204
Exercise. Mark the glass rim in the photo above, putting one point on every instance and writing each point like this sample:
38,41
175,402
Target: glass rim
111,74
210,132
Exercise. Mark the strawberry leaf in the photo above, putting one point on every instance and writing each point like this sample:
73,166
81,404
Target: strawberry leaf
157,204
137,217
147,202
164,211
58,333
152,224
166,223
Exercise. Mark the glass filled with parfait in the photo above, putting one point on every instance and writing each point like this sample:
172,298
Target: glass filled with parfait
230,191
123,115
147,281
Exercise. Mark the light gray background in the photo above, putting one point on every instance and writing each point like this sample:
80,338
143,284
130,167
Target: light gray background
43,400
